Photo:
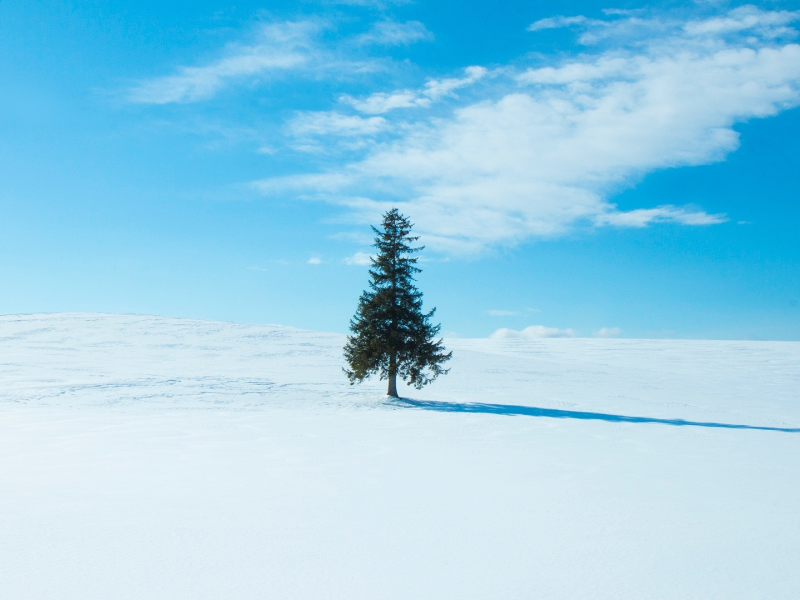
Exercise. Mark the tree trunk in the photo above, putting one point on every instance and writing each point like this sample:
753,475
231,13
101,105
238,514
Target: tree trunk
392,391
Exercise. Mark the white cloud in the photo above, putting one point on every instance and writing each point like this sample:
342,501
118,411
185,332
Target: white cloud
502,313
768,24
642,217
438,88
547,157
379,4
434,89
279,47
392,33
290,47
383,102
577,72
335,123
315,260
608,332
359,258
534,331
556,22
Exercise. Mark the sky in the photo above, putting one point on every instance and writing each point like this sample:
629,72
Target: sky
572,168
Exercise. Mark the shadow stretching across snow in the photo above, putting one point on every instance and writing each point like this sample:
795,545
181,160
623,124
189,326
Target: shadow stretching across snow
554,413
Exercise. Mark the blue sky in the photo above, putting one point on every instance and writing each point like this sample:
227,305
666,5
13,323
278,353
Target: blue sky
577,168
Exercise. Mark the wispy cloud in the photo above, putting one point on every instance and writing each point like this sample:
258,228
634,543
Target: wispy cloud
768,24
335,123
278,47
314,260
434,89
359,258
291,48
501,313
393,33
383,102
533,332
545,149
642,217
556,22
379,4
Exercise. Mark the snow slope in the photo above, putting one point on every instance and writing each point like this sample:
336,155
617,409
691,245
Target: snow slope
146,457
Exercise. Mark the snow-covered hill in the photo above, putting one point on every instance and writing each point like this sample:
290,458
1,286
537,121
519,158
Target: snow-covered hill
147,457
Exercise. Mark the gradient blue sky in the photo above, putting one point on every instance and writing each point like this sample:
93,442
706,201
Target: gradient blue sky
630,172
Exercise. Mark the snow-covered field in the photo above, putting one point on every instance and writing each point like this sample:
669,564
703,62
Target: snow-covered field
146,457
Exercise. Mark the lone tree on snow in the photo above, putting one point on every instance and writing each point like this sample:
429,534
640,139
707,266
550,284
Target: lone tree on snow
391,334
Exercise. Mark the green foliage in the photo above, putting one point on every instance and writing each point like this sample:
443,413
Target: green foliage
391,334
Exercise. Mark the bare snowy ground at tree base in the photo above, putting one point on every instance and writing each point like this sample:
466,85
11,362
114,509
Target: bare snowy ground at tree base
146,457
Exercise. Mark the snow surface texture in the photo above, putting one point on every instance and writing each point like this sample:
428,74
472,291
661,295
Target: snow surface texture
146,457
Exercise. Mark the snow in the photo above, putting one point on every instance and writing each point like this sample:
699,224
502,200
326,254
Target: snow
148,457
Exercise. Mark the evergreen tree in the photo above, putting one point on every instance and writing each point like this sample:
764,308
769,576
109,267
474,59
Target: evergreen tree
391,334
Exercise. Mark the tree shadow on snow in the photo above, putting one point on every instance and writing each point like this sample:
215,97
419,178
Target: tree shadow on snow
553,413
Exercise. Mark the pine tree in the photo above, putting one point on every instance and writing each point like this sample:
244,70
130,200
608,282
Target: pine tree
391,334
